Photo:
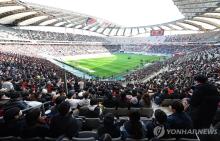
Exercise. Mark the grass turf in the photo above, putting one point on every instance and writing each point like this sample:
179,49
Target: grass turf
115,65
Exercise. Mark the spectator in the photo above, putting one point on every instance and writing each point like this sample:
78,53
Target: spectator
109,101
58,101
35,127
159,120
7,84
85,101
13,123
179,119
134,128
64,123
204,102
93,109
109,127
145,101
15,101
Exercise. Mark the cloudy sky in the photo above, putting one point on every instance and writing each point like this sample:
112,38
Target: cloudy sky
122,12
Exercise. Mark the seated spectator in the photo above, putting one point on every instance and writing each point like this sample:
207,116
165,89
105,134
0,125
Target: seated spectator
85,101
15,101
109,101
134,102
93,110
71,98
179,119
109,127
122,101
64,123
13,123
58,101
159,120
145,101
185,102
133,128
35,125
163,95
7,84
45,96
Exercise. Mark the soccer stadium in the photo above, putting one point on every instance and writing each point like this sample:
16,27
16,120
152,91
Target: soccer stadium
67,75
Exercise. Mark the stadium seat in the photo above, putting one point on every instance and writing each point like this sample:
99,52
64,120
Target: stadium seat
145,120
117,139
146,112
168,102
32,139
83,139
122,112
187,139
92,123
49,139
131,139
100,99
87,134
110,110
82,111
10,138
80,123
167,139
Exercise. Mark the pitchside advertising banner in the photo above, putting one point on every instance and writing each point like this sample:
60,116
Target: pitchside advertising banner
159,32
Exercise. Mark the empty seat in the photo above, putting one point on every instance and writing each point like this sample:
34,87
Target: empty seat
83,139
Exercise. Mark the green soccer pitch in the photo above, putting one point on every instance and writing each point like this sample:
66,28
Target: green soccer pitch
115,65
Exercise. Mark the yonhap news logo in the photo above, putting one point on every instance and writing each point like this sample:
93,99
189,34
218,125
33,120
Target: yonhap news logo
159,131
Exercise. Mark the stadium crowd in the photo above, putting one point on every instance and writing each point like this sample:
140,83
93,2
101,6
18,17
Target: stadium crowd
37,100
58,50
201,37
159,49
27,79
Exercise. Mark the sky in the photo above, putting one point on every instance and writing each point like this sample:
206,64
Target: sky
128,13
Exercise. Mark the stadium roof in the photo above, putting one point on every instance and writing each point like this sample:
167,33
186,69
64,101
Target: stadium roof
200,15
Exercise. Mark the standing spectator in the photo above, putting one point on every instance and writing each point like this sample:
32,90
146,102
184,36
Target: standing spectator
204,102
